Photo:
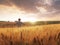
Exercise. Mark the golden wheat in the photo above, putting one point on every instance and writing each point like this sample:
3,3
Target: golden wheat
28,35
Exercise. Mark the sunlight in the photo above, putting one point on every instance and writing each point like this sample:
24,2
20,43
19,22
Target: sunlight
30,19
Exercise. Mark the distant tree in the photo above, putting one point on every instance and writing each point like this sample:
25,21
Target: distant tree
19,20
19,23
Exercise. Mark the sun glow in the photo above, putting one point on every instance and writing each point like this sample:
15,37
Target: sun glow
30,19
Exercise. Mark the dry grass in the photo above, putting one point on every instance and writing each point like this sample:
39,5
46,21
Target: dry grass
32,35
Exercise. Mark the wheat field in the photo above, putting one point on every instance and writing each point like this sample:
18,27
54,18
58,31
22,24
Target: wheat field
31,35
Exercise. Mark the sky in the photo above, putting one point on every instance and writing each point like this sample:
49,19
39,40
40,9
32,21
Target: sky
30,10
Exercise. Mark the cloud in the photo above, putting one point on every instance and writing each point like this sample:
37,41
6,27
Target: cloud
25,5
5,2
29,6
56,4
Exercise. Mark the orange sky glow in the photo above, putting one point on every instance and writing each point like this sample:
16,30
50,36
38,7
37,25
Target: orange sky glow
13,13
30,10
